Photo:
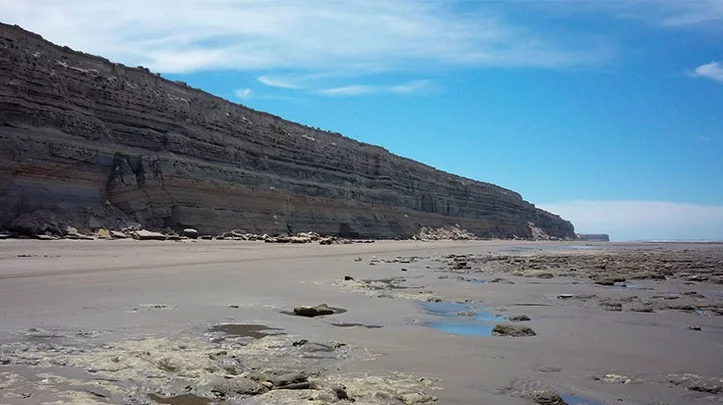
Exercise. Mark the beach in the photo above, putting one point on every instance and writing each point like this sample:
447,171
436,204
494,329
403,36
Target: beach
124,321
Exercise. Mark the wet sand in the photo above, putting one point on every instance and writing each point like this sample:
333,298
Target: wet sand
69,307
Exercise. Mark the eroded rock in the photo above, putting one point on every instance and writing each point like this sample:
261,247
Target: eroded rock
312,311
513,330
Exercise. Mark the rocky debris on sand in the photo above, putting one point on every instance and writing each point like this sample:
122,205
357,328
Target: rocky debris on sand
519,318
73,233
513,330
609,267
203,370
610,305
40,222
614,379
289,239
695,328
444,233
340,392
227,387
312,311
148,235
546,398
500,280
190,233
414,398
393,287
697,383
291,381
118,235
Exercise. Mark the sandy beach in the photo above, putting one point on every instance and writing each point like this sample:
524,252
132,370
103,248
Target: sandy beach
200,322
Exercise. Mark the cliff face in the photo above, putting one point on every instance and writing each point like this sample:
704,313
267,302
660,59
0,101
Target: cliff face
78,131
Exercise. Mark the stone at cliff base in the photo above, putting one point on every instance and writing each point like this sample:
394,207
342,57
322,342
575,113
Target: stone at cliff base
513,330
190,233
103,233
118,235
39,222
148,235
309,311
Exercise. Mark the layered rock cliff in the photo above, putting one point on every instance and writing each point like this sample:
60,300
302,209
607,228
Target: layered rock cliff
83,136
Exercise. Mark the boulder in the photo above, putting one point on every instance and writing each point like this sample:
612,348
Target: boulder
546,398
103,233
312,311
519,318
513,330
148,235
78,236
40,222
118,235
190,233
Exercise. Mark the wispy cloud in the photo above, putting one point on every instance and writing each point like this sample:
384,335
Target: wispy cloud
359,35
629,220
359,90
243,93
712,71
682,13
664,13
281,83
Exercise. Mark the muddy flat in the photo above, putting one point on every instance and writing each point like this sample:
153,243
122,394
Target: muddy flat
499,322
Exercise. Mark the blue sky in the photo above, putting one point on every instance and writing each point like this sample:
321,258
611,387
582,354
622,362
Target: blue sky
609,113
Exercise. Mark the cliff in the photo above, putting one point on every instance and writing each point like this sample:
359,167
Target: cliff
85,137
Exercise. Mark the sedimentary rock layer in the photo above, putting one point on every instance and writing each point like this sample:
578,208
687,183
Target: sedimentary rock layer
78,132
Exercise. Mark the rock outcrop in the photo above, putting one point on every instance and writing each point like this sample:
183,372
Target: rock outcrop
87,139
590,237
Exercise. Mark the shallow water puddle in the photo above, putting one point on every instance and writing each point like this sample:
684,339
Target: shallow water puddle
181,400
461,318
233,330
462,328
573,400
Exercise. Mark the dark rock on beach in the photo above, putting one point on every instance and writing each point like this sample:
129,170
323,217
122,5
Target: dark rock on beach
513,330
312,311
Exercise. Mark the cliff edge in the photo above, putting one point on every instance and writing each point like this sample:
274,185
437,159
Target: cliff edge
88,138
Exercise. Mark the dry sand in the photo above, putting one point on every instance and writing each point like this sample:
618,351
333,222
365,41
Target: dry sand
112,321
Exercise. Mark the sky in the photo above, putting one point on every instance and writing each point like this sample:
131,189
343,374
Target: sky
607,112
